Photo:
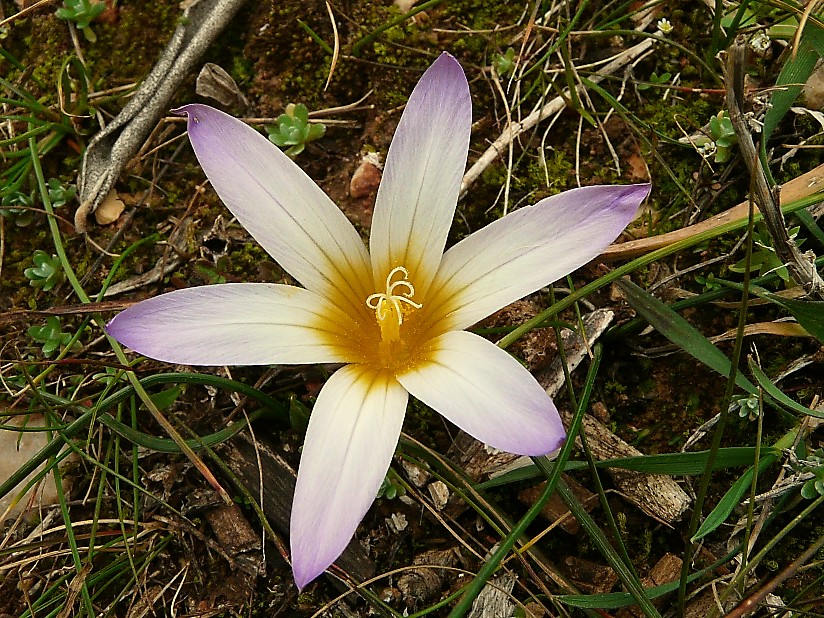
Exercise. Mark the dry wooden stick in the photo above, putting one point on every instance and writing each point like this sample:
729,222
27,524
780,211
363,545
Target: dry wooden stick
514,129
805,185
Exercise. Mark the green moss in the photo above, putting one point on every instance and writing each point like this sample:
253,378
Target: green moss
245,260
481,14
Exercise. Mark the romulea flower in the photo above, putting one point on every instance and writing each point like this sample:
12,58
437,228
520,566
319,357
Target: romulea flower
394,315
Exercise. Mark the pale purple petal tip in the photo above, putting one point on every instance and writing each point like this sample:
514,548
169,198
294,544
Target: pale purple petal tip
421,180
628,198
227,324
532,247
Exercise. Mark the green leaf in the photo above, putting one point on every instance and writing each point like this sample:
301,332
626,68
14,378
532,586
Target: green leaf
671,464
300,112
797,69
808,313
773,391
166,398
294,130
680,332
50,335
731,499
809,491
734,494
166,445
46,271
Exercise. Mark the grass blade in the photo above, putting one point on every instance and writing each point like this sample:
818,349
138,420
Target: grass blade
680,332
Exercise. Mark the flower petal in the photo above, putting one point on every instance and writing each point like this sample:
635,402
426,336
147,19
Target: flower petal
235,324
422,176
285,211
528,249
487,393
352,435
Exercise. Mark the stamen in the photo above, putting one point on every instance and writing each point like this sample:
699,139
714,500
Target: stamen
384,302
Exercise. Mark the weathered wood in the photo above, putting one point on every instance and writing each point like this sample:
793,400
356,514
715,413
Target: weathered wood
666,570
658,496
278,489
555,509
238,539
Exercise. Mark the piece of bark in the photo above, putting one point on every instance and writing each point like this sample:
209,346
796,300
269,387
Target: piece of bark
238,538
420,584
555,509
658,496
111,149
703,604
278,489
495,599
213,82
590,577
552,378
480,461
666,570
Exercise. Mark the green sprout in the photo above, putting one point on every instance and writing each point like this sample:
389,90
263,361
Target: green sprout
720,141
46,271
709,282
50,335
298,414
294,129
392,486
83,13
17,207
763,258
60,195
655,80
749,407
505,63
814,487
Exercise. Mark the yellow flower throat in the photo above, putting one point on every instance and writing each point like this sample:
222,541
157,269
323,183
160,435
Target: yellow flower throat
391,306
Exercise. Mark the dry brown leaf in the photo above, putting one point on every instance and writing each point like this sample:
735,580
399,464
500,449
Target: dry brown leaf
781,329
110,209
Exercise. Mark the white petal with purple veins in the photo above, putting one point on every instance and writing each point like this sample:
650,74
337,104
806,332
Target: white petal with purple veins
487,393
352,435
529,249
422,176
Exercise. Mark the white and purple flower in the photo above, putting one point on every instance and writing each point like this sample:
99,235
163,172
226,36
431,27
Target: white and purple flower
394,315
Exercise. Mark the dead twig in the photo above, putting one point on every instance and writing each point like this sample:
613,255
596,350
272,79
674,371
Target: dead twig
801,266
514,129
804,186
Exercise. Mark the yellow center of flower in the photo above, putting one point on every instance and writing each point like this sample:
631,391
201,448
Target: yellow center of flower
391,306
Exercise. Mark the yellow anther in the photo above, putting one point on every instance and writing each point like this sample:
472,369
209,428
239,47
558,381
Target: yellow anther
389,302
